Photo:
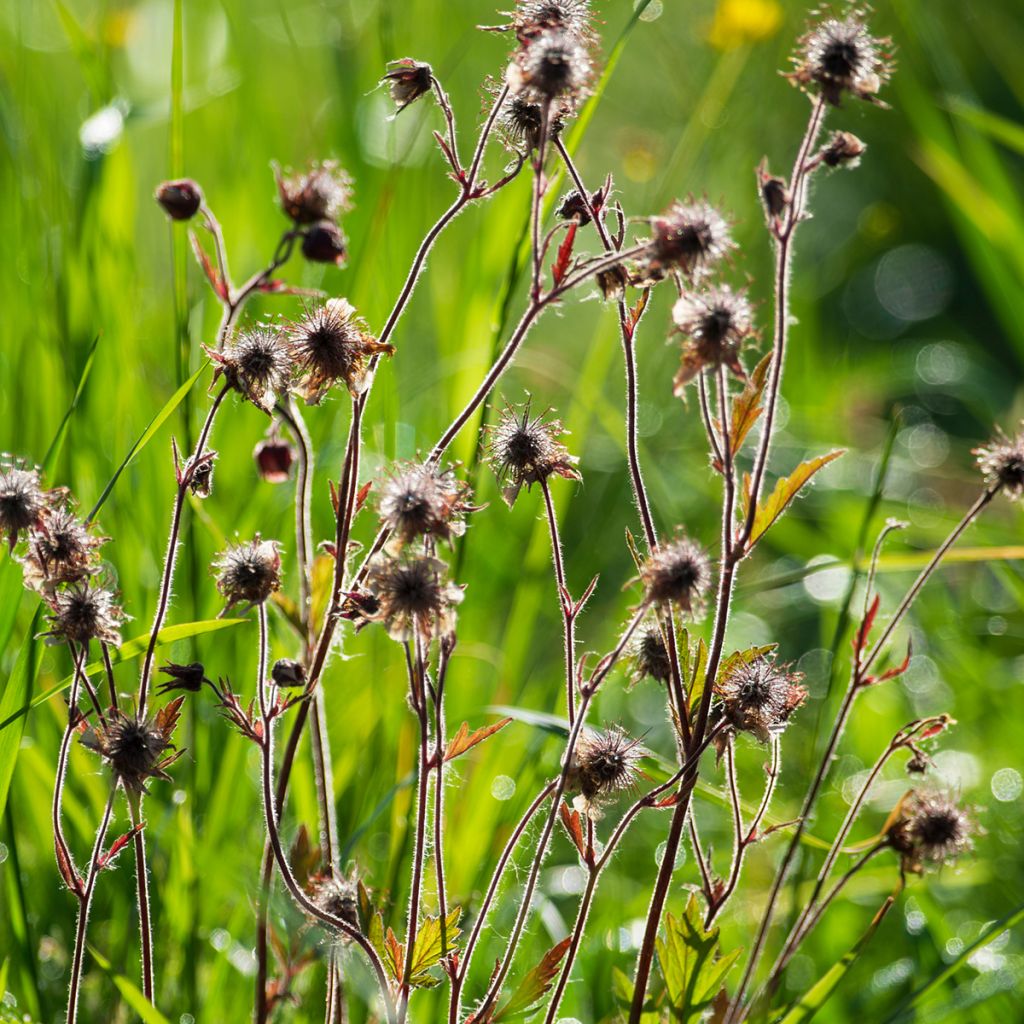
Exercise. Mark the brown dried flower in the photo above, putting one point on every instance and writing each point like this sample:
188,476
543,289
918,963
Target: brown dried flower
324,192
274,458
330,344
249,573
407,80
843,149
423,500
325,242
22,499
928,828
677,572
689,237
1001,462
552,64
180,199
519,123
258,366
135,746
411,593
60,550
533,17
602,765
83,612
717,321
649,655
336,896
760,696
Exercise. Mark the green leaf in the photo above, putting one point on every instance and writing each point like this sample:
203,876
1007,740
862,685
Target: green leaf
622,993
432,942
128,651
693,970
129,992
902,1012
536,983
818,994
14,703
786,489
147,435
697,660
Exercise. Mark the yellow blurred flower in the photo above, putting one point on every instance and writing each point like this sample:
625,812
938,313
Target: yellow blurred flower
739,22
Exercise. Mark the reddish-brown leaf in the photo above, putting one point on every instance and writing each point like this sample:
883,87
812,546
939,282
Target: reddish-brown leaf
861,639
574,826
536,983
463,740
216,281
564,257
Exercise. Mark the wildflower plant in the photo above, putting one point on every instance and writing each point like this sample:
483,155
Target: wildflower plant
406,583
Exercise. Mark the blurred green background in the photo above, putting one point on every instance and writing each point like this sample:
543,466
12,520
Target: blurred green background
908,291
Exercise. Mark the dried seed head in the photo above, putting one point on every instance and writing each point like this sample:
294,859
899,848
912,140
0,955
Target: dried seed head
533,17
760,696
843,149
412,593
337,897
330,344
200,481
689,237
258,366
189,678
325,242
678,573
135,746
83,612
774,192
249,573
928,828
180,199
575,207
525,450
61,550
288,672
22,499
274,458
407,80
1001,462
717,321
324,192
650,657
603,764
552,64
423,500
612,282
840,55
519,123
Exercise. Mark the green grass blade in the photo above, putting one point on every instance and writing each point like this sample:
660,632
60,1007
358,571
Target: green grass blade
14,704
53,452
148,1013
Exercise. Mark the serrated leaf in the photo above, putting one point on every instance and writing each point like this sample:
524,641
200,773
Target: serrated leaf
622,993
738,658
693,970
375,933
786,489
433,942
746,407
698,663
573,824
464,740
536,983
805,1008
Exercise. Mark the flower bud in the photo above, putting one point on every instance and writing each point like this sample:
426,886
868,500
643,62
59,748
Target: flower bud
274,458
325,242
180,199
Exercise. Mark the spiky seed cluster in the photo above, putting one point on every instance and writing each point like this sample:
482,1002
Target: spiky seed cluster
839,55
423,500
519,123
677,573
928,828
552,64
407,80
603,764
60,550
1001,462
83,612
759,697
843,149
689,237
337,897
331,345
716,321
258,366
135,747
22,499
323,193
412,593
649,655
532,17
249,573
524,449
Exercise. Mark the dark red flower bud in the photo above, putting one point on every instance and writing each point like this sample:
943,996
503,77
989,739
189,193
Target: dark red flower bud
180,199
325,242
274,458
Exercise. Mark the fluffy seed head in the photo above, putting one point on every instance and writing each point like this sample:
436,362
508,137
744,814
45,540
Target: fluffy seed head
519,123
336,896
407,80
533,17
22,499
689,237
411,592
1001,462
324,192
60,550
331,345
650,657
604,763
716,321
760,696
249,573
524,449
83,612
553,64
840,55
843,149
257,366
423,500
135,746
679,573
928,828
180,199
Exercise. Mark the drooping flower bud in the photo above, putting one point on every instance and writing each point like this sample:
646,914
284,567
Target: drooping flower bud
180,199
